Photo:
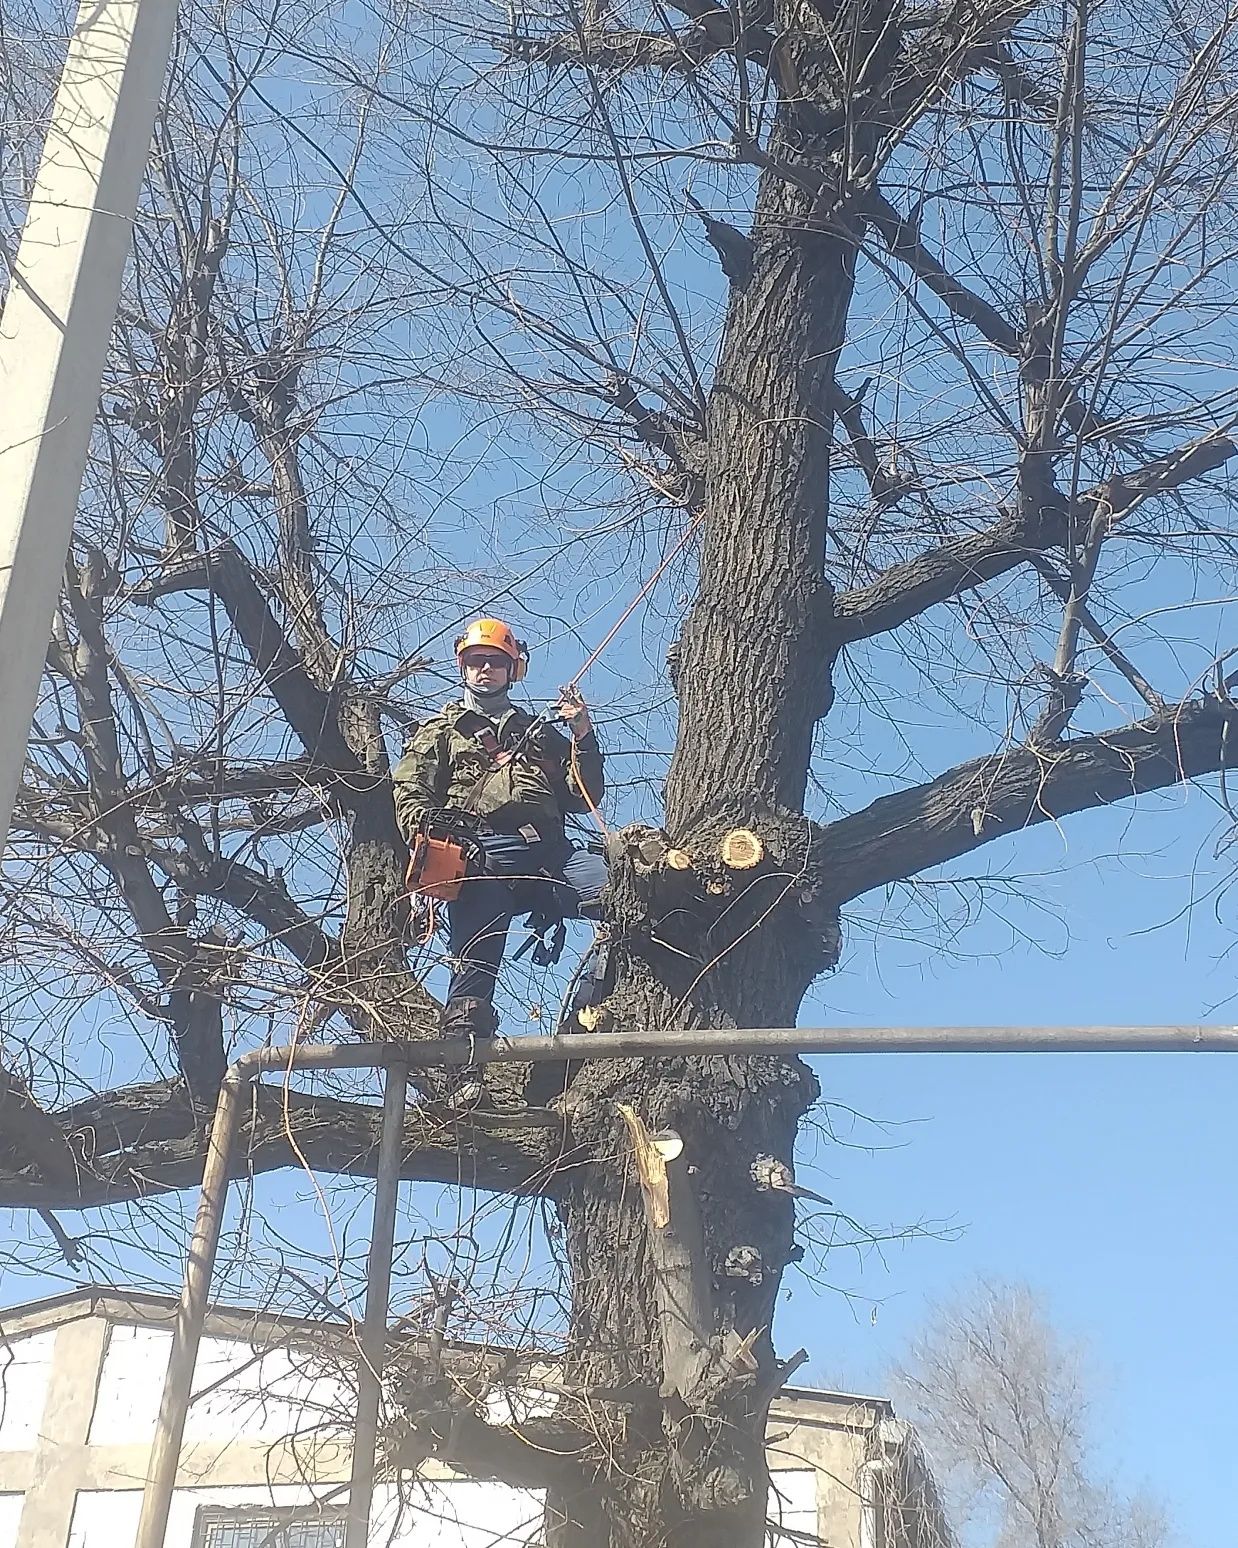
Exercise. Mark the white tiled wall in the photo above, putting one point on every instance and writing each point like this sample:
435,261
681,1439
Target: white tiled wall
130,1386
10,1514
25,1365
792,1506
459,1514
260,1395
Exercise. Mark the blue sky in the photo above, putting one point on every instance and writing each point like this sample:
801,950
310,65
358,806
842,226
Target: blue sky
1107,1183
1103,1181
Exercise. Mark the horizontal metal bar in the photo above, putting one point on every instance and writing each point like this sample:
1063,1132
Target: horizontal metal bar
744,1040
539,1050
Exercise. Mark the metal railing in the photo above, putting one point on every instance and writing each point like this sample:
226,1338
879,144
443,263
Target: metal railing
397,1058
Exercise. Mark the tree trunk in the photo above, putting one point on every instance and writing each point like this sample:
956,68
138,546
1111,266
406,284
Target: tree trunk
757,647
669,1470
698,947
719,948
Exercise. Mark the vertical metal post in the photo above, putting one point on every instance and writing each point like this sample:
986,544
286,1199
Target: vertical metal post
190,1316
58,316
456,1051
377,1300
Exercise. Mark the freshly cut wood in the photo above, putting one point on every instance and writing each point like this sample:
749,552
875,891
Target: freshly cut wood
652,849
742,849
656,849
677,1250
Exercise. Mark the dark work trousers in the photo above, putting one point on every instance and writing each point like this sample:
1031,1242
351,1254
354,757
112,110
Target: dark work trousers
479,917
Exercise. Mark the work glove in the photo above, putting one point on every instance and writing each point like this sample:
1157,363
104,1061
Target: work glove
574,712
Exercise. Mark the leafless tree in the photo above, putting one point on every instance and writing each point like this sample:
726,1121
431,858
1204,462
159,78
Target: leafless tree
896,333
1004,1403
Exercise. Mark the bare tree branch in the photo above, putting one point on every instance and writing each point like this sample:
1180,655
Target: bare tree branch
618,49
311,710
441,1419
141,1141
1115,656
32,1137
907,589
902,238
994,797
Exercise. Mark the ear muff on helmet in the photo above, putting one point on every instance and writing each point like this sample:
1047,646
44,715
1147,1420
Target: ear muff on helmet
494,634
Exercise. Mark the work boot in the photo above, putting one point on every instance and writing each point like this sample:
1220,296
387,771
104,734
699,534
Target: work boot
469,1018
462,1086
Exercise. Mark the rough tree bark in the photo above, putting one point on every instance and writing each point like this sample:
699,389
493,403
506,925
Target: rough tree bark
754,676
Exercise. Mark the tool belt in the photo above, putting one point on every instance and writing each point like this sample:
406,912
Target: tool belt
445,851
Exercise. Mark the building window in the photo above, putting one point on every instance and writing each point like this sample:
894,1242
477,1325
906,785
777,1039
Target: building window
248,1526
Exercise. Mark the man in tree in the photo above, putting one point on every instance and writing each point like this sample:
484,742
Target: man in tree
487,762
945,442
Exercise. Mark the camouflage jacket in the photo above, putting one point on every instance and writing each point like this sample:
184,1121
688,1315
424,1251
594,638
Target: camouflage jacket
446,766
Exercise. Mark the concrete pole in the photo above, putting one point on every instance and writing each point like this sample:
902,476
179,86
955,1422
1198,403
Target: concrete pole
54,330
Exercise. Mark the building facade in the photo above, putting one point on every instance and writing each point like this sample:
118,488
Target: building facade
266,1455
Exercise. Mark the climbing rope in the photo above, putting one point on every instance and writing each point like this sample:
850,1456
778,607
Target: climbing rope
610,634
639,597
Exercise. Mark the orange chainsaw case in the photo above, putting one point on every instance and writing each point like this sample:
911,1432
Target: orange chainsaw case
437,867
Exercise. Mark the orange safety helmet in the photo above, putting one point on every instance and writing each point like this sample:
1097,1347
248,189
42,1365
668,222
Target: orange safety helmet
494,634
